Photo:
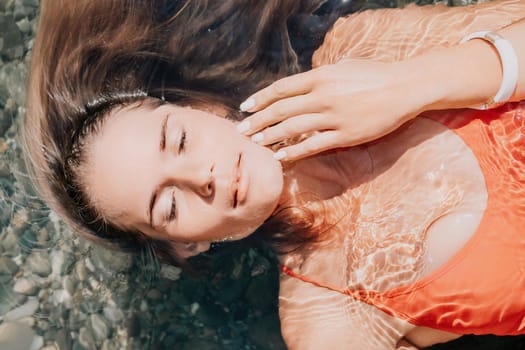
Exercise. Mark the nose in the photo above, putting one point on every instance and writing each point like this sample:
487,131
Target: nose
197,177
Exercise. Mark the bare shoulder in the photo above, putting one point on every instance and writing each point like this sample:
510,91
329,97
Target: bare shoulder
317,318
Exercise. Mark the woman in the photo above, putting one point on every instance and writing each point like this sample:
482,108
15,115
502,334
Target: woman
340,209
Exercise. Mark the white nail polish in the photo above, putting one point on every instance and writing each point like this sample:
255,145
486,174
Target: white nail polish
248,104
258,137
279,155
243,126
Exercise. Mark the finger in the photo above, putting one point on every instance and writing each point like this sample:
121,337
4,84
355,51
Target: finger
293,85
292,127
279,111
314,144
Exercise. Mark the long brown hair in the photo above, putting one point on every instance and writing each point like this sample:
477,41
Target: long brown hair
91,56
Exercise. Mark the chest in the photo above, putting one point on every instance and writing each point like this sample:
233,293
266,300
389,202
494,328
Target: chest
404,209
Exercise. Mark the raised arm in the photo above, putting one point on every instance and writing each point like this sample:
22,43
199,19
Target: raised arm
476,73
397,34
355,101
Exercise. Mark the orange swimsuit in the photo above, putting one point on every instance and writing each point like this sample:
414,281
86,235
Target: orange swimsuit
481,290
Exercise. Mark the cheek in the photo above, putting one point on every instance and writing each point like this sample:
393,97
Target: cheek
200,221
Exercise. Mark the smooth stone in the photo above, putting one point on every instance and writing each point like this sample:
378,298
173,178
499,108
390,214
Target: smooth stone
86,340
61,262
16,336
113,314
50,347
27,309
37,343
61,296
68,283
24,25
20,219
154,294
38,263
194,307
25,286
99,327
5,169
89,265
143,306
93,283
9,241
7,266
43,236
28,321
81,271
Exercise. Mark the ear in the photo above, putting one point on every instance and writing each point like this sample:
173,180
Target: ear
187,250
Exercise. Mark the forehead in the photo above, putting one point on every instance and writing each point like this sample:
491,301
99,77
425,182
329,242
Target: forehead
119,156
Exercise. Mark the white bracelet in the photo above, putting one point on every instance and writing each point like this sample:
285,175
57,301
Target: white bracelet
509,62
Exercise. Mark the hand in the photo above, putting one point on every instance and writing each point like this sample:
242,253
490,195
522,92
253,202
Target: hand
339,105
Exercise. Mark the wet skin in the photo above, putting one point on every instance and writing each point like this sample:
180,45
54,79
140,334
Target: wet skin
181,174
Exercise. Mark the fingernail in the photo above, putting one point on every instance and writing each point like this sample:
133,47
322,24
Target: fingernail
247,105
258,137
279,155
243,126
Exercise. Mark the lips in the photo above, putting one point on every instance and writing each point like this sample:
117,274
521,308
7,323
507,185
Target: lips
239,182
235,182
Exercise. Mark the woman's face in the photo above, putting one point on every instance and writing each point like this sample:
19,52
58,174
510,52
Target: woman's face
181,174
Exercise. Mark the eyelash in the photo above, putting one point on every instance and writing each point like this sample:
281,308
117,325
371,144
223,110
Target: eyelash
171,217
182,142
182,145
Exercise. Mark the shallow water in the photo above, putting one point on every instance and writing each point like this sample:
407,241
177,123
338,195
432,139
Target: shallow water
59,292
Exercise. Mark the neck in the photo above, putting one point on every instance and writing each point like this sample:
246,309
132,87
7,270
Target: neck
325,176
317,193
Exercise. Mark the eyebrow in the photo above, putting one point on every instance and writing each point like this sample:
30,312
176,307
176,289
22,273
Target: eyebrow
155,192
163,132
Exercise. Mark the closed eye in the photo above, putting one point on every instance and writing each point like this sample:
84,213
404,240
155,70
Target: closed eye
173,207
182,142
